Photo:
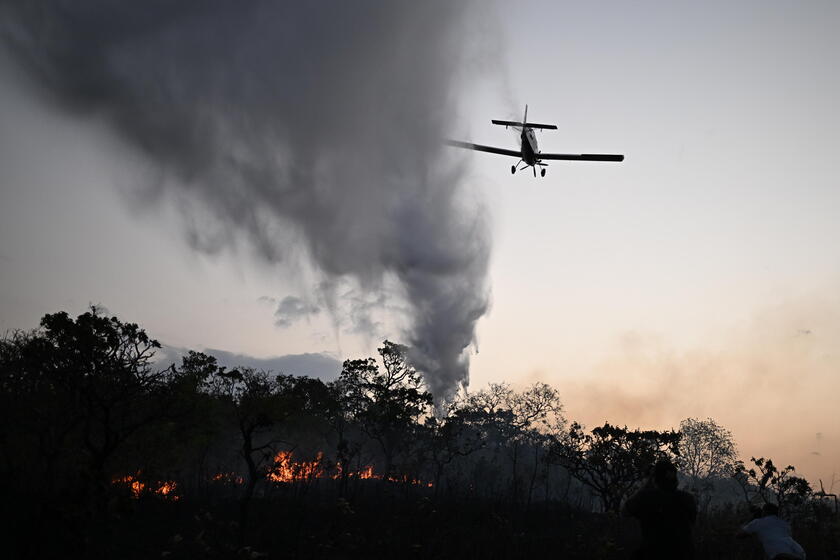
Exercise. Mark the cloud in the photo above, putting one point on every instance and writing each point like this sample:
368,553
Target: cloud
291,309
320,365
314,364
293,127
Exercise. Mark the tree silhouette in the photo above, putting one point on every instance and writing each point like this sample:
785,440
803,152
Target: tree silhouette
707,453
89,380
765,480
515,430
612,460
387,403
258,404
706,450
447,439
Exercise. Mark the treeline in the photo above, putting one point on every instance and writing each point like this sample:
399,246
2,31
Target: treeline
92,426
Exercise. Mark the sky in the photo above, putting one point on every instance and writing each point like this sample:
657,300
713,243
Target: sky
276,192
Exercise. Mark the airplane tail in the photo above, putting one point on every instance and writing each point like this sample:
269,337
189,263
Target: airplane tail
525,123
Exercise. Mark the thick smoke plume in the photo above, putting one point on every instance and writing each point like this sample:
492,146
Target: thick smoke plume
289,123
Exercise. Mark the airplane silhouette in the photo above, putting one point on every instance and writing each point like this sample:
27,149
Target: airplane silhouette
529,154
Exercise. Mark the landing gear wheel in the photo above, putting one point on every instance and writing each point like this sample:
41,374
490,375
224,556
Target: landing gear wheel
512,169
542,172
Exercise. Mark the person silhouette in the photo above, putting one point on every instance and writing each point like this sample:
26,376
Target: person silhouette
774,535
666,515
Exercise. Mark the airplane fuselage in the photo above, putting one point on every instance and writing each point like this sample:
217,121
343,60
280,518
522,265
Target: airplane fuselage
530,151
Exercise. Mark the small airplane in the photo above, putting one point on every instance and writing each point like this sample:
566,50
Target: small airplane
529,154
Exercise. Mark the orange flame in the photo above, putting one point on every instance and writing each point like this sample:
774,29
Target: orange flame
166,488
228,478
365,473
285,470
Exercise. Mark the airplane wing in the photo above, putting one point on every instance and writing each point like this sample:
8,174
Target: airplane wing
480,148
583,157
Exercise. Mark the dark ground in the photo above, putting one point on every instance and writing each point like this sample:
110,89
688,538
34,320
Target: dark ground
381,521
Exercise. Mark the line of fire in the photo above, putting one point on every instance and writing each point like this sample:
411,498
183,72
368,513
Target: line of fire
284,469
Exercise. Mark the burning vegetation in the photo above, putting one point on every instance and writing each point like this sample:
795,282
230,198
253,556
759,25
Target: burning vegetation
283,470
167,489
286,470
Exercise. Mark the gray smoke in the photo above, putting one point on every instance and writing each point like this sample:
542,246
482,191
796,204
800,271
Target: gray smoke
287,123
292,309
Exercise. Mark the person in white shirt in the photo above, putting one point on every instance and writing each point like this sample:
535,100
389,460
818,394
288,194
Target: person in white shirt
774,535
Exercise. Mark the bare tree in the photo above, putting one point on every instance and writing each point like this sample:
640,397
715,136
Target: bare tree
521,425
706,452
